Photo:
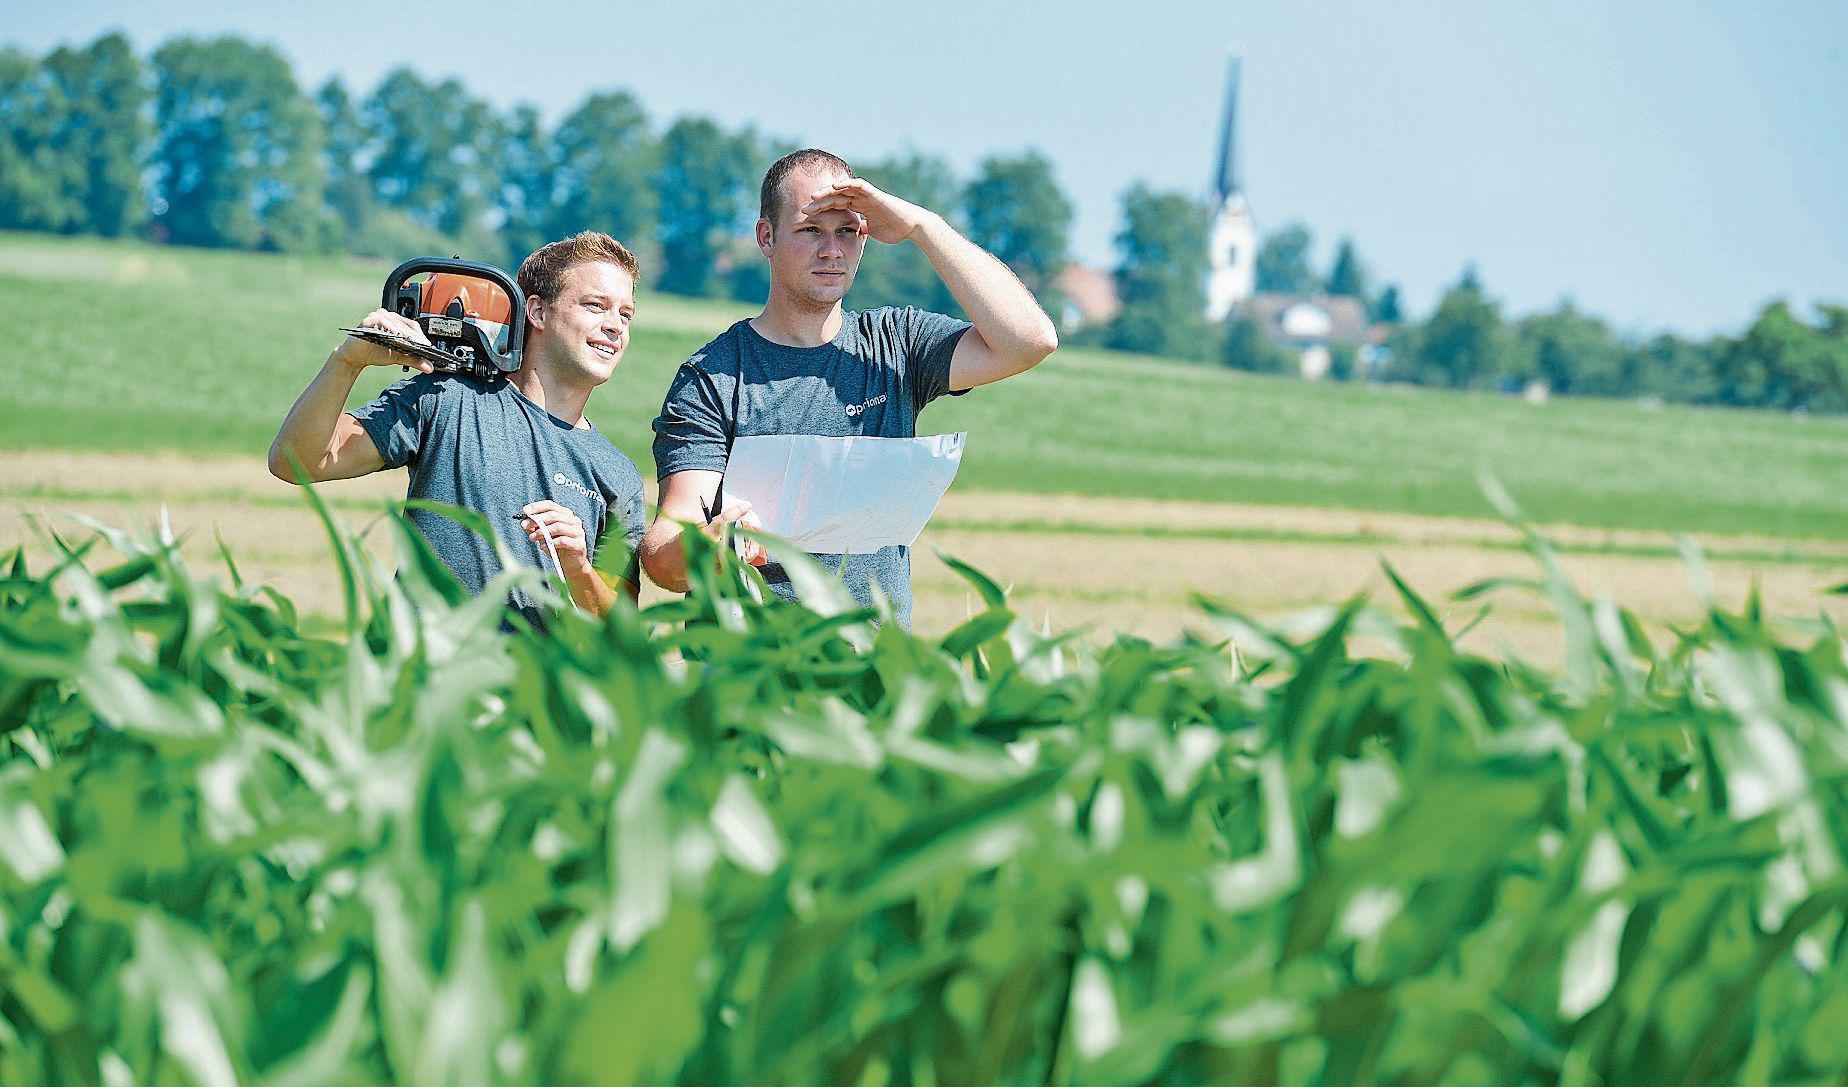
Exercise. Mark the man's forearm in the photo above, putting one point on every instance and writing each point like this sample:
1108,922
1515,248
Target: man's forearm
309,429
1000,307
663,557
590,592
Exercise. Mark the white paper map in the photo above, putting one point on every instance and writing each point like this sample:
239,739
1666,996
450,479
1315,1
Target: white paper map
835,496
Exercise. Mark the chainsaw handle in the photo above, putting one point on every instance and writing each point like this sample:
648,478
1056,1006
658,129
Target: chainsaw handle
516,324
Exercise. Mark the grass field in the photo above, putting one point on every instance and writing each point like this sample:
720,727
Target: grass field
1105,490
134,348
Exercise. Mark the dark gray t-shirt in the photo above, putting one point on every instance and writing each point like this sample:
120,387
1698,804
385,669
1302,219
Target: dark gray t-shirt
874,378
487,448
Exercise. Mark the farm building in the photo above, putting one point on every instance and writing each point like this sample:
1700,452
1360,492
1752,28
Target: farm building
1090,296
1317,326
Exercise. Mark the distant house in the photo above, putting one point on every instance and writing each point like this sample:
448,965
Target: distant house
1090,296
1311,324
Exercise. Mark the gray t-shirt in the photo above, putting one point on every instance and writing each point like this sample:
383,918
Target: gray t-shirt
874,378
487,448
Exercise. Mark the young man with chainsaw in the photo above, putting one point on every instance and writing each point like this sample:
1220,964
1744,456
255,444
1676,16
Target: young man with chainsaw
518,451
805,366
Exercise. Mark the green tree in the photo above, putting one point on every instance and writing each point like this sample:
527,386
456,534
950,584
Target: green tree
435,154
1751,369
38,183
704,185
104,132
901,275
1283,262
366,227
525,184
1248,347
1343,361
1386,309
236,161
1569,351
1831,357
1671,368
1015,210
1162,275
606,159
1781,362
746,273
1348,277
1463,343
344,149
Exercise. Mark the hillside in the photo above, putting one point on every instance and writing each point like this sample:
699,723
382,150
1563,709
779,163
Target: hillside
129,347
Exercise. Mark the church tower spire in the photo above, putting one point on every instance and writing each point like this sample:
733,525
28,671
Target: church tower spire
1225,180
1232,241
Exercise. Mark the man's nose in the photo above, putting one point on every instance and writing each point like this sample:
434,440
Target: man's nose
831,245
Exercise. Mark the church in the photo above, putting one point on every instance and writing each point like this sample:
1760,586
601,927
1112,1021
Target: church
1314,326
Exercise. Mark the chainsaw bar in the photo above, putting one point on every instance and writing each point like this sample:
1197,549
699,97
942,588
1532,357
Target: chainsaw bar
407,346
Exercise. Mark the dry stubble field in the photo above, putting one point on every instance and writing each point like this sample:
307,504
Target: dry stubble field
1105,564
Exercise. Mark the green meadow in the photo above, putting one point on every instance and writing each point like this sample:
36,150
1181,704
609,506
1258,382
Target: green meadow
129,347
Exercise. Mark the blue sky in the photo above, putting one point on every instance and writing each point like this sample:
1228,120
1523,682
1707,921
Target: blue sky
1665,165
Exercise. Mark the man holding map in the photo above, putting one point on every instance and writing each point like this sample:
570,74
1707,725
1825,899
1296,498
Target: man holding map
804,366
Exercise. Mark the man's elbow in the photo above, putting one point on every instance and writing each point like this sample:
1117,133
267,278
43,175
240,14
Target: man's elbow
658,552
1037,345
286,466
1046,342
283,466
673,579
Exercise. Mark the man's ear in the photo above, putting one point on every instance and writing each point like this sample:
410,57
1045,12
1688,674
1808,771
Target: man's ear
535,312
766,233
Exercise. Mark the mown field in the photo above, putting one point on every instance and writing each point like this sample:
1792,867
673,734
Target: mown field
136,348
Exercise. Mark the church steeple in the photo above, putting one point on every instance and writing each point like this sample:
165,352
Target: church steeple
1226,180
1232,242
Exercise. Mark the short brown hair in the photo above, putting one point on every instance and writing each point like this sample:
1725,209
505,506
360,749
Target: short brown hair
543,273
770,196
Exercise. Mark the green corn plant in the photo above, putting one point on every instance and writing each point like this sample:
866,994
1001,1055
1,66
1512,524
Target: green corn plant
729,839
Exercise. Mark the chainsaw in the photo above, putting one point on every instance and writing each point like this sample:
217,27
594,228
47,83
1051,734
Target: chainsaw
469,311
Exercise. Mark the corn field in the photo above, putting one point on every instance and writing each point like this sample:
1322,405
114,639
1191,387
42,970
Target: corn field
731,840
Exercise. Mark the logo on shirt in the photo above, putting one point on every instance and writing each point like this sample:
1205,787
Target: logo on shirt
856,410
571,484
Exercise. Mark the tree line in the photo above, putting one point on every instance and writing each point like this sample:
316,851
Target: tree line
213,142
1780,361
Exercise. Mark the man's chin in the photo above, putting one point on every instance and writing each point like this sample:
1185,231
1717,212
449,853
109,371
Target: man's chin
598,370
827,294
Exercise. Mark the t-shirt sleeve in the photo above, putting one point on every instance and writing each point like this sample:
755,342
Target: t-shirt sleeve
930,341
619,547
398,421
693,430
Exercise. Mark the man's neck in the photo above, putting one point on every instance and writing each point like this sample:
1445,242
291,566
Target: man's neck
787,321
562,400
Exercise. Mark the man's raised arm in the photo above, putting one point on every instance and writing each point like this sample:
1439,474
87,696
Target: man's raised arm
1011,334
329,443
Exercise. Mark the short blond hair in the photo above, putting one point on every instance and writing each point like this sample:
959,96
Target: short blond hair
543,273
